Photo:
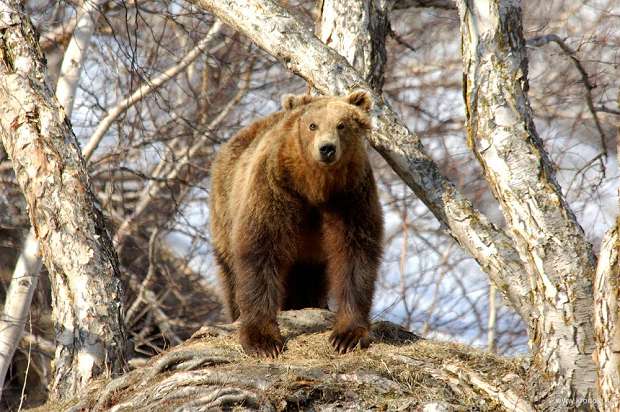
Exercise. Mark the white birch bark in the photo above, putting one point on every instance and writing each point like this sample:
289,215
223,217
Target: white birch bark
65,93
550,242
283,36
17,303
73,60
70,75
607,322
74,242
357,31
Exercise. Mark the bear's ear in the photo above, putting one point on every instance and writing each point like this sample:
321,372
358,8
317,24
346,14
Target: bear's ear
361,99
290,102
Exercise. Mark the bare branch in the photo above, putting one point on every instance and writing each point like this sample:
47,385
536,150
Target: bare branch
164,174
145,285
148,88
605,109
438,4
588,86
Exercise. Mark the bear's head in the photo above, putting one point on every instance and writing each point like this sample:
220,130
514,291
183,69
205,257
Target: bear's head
330,129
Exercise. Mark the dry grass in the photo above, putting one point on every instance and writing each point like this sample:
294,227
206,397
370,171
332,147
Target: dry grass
398,372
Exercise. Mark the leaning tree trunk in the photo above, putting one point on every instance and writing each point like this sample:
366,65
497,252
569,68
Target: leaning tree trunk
549,240
68,81
75,245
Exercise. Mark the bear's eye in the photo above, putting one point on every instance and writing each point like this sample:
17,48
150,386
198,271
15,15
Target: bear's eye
340,126
312,126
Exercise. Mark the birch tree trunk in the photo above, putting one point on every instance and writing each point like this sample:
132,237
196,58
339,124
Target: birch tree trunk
75,245
283,36
357,31
73,59
30,260
607,322
549,240
17,303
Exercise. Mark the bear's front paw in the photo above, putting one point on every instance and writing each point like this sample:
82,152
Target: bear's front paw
345,339
266,342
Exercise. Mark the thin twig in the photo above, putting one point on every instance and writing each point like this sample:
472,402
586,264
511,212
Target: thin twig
21,400
605,109
146,89
146,282
401,41
588,86
152,191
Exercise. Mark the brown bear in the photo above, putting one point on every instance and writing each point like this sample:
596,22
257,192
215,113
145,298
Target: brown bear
296,219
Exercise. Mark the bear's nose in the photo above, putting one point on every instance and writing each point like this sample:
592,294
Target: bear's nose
328,151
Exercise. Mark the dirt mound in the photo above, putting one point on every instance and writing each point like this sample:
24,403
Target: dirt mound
399,371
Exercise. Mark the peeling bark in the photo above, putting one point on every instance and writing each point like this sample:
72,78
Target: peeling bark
75,245
547,236
607,322
286,38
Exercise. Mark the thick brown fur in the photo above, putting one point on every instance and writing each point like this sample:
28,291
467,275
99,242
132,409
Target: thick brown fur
291,231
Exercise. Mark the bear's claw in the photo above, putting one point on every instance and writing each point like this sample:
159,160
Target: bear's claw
262,344
346,340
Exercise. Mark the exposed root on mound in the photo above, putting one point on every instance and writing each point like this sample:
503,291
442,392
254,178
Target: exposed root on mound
398,372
